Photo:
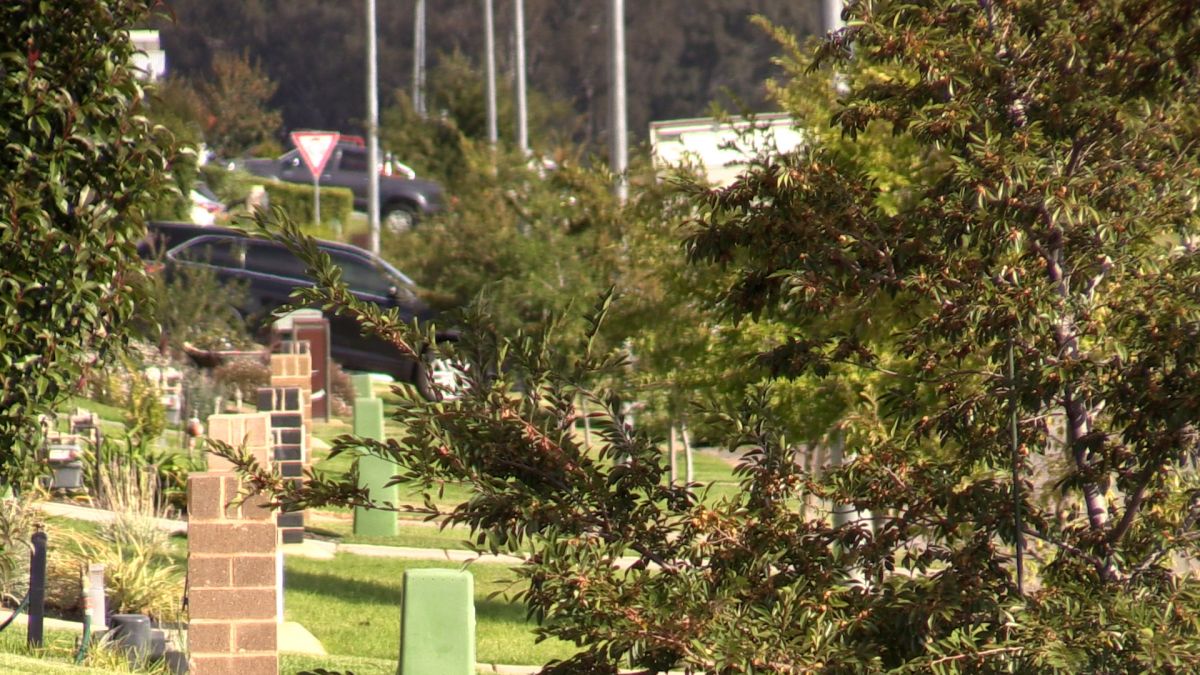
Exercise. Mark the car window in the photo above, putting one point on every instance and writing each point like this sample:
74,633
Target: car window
353,160
361,275
211,250
268,258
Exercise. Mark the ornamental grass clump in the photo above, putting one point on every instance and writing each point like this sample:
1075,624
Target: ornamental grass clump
141,574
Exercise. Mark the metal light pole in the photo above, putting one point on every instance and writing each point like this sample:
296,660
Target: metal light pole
831,12
372,129
418,95
619,133
522,115
489,47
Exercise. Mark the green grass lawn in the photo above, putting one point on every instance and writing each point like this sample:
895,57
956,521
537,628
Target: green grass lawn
408,534
108,413
57,655
291,664
352,605
712,469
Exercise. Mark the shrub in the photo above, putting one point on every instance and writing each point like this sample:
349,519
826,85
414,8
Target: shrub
139,578
193,306
140,575
18,519
293,198
242,376
81,165
145,417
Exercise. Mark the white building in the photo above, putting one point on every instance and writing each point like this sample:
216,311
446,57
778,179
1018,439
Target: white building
150,58
720,148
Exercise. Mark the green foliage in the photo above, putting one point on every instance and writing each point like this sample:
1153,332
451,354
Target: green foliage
140,576
18,520
235,106
437,145
533,243
295,199
145,417
175,106
192,306
1060,223
242,377
80,164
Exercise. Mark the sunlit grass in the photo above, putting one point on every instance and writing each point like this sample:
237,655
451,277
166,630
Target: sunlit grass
352,605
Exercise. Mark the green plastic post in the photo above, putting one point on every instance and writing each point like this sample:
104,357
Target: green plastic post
362,386
373,473
437,623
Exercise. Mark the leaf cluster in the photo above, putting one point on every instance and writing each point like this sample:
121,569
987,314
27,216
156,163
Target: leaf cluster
80,163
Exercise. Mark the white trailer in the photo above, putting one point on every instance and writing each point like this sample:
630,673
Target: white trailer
721,148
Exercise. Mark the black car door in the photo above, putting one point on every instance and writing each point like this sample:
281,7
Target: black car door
349,170
273,273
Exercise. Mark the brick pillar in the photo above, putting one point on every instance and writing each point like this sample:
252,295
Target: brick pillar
249,430
295,370
285,407
233,580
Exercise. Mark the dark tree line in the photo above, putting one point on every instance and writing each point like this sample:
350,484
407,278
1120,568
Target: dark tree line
682,54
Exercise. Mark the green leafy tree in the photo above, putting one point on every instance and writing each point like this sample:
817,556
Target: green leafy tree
435,144
236,99
534,242
80,163
1063,227
175,105
1060,229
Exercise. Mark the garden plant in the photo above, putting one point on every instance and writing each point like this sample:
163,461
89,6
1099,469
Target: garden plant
1025,320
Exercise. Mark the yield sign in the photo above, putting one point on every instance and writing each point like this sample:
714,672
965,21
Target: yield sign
315,147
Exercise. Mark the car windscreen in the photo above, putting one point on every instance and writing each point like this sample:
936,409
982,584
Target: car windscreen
265,257
353,160
364,275
216,250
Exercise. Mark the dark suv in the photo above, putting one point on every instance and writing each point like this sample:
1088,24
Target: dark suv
270,272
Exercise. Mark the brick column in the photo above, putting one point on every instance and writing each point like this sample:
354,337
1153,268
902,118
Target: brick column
295,370
249,430
285,407
233,580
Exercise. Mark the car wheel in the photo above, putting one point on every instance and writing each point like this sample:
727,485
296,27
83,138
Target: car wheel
399,219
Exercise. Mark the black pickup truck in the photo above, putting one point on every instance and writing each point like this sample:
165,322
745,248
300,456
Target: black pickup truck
402,200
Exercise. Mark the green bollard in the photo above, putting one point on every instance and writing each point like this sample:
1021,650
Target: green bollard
362,386
437,623
374,473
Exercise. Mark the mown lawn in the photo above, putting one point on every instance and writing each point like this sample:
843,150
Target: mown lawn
352,605
412,532
712,470
57,655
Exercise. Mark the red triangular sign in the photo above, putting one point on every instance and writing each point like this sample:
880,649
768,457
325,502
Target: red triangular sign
315,147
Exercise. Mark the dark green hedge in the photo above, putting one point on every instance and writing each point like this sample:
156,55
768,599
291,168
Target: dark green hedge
294,198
